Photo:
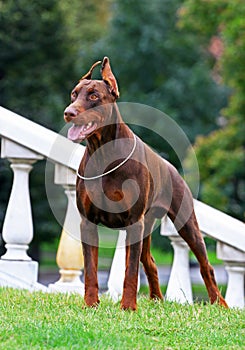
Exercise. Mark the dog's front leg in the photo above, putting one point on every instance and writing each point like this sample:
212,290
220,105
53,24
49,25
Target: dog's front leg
90,243
133,253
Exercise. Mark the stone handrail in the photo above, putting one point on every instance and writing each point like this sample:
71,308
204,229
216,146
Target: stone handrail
24,143
39,139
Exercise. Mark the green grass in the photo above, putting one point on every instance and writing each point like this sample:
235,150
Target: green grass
199,291
60,321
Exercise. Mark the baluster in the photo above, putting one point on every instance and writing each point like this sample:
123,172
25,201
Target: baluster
117,272
234,260
179,285
69,255
18,225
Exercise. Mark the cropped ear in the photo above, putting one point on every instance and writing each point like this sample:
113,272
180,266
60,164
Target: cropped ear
108,77
89,74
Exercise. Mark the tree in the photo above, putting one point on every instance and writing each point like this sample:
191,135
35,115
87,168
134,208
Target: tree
86,23
34,65
159,64
221,153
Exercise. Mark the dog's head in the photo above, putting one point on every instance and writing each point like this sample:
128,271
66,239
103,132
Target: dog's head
91,102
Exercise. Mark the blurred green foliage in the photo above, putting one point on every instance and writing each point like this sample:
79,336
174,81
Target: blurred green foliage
34,66
221,154
163,66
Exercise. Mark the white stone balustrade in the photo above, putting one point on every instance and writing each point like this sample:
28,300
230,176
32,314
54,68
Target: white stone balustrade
228,231
23,143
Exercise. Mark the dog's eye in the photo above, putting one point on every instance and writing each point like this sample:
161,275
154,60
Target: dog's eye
93,97
73,95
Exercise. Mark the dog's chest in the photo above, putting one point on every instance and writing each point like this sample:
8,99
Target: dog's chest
114,201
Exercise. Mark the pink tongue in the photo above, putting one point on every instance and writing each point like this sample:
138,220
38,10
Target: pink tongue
74,132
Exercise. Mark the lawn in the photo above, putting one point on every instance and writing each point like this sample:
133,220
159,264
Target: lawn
60,321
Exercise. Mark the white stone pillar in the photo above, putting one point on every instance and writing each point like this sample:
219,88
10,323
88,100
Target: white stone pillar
234,260
18,225
179,285
118,266
117,272
69,255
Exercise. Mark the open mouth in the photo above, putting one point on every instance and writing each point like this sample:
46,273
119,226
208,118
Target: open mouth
78,133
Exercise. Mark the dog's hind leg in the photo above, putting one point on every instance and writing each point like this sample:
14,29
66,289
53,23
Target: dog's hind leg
181,212
191,234
148,261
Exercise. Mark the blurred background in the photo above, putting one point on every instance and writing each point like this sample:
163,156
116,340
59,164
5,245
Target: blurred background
186,58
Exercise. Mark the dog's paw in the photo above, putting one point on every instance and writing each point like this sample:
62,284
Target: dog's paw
128,305
91,301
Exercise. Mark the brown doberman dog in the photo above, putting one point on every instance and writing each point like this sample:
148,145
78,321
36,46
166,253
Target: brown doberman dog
122,183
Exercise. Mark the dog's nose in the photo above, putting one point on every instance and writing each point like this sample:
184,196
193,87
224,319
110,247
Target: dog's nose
70,112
